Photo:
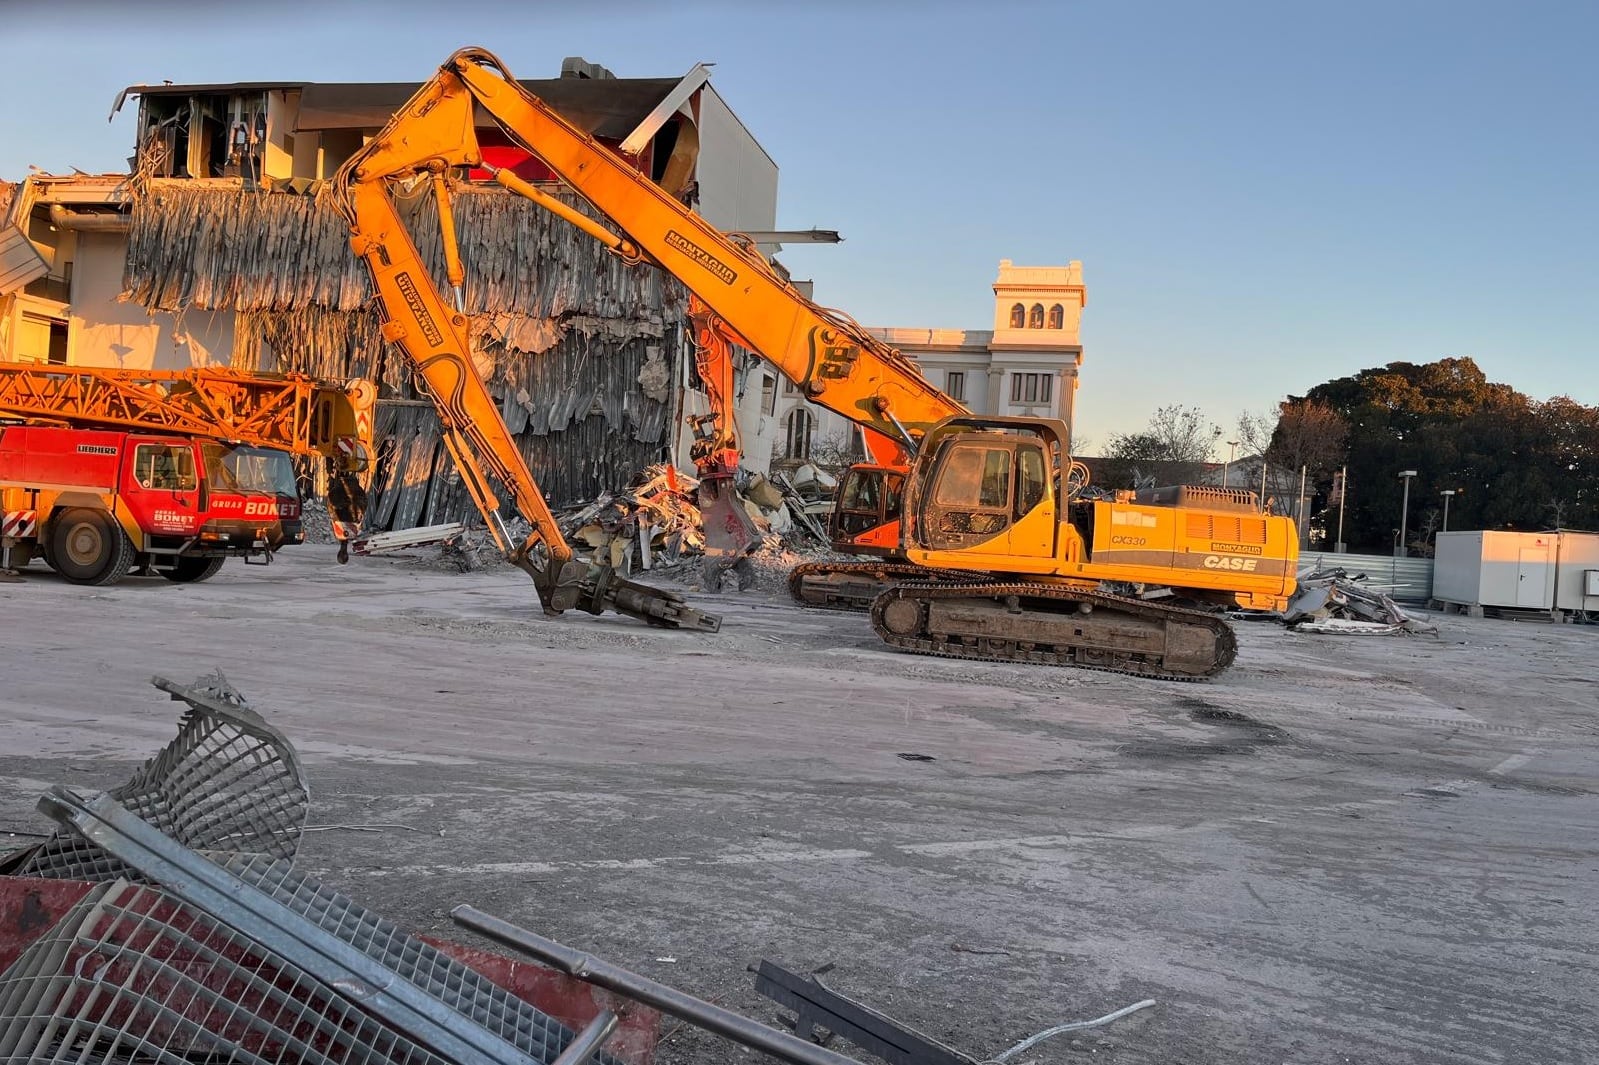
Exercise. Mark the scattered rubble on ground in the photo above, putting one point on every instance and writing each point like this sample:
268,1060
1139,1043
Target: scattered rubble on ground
630,529
1331,601
653,526
315,520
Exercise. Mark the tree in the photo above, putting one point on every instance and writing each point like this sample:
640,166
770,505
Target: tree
836,452
1172,449
1309,435
1515,463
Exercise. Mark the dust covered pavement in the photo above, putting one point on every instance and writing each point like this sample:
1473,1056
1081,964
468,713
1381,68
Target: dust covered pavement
1343,849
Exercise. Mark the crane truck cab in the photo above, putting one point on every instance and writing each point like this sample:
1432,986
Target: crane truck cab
95,503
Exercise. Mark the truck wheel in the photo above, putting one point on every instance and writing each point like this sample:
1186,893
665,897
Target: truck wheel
89,547
193,570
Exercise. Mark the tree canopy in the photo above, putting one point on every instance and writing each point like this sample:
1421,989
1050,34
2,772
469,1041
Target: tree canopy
1513,462
1172,449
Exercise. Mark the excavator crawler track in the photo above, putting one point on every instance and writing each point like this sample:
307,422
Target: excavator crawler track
1053,625
855,585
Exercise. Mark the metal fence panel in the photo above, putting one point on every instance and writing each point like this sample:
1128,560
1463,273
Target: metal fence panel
1406,580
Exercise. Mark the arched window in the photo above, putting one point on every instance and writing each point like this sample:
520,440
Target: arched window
1035,317
801,427
1018,316
1057,317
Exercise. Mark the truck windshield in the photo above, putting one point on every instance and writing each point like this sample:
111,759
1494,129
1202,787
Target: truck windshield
249,469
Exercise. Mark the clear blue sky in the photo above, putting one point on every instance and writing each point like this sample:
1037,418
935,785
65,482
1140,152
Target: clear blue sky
1264,195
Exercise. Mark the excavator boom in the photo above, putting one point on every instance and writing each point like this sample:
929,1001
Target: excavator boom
430,135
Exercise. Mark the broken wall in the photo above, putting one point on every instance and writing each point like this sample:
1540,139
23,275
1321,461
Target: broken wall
584,348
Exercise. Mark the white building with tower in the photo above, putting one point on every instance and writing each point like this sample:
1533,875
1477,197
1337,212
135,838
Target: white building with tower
1026,364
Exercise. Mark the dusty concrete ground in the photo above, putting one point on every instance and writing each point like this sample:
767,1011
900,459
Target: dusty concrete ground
1344,850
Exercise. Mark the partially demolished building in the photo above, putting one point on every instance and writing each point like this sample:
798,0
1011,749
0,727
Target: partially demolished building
219,247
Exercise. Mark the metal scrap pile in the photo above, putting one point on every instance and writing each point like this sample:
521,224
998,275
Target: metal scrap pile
657,523
653,523
1331,601
164,922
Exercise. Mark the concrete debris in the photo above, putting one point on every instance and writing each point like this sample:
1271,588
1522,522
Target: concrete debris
315,521
657,524
1331,601
654,522
655,377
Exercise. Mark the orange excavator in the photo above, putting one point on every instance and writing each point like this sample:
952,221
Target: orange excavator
1002,560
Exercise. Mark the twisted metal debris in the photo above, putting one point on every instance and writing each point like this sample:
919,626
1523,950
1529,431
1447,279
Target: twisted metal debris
228,782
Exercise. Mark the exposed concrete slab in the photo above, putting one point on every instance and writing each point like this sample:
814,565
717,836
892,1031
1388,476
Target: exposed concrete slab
1365,849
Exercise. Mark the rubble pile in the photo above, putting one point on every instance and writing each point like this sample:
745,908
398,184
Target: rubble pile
656,519
1331,601
656,525
316,521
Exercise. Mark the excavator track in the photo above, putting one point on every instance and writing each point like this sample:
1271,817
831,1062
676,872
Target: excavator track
855,585
1054,625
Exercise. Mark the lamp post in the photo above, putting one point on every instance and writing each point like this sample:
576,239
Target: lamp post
1448,494
1401,550
1232,448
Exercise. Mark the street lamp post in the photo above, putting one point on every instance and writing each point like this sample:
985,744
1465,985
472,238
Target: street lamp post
1401,550
1232,448
1448,494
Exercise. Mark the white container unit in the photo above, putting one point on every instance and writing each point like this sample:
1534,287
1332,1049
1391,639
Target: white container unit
1577,572
1496,569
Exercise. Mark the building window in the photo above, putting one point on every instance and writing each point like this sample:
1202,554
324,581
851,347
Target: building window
790,387
955,385
768,394
801,427
1035,317
1031,387
1057,317
1018,316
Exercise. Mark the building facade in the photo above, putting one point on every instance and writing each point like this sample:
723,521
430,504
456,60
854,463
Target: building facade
219,248
1027,364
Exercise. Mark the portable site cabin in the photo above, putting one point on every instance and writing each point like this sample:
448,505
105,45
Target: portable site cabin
1553,571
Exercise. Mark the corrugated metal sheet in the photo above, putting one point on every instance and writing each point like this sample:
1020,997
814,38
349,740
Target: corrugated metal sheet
1407,580
569,327
231,249
20,261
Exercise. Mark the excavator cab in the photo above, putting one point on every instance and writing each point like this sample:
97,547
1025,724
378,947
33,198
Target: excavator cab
984,486
865,518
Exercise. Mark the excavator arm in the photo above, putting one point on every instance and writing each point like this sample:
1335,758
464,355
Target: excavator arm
737,299
836,363
430,135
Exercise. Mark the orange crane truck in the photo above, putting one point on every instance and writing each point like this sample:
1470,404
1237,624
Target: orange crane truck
104,470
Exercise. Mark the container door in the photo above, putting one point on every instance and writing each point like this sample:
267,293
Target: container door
1532,572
